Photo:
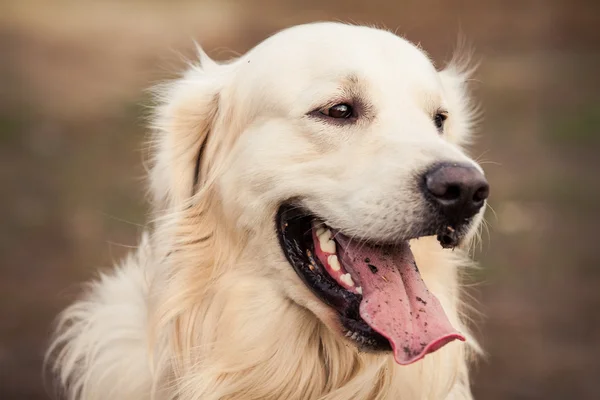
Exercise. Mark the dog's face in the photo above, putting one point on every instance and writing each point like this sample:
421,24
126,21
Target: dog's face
346,148
347,119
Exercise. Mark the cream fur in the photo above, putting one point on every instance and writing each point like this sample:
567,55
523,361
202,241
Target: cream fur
207,307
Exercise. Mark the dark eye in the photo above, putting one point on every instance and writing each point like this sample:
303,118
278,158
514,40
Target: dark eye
439,119
338,111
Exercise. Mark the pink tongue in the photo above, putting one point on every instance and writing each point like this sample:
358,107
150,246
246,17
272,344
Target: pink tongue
396,303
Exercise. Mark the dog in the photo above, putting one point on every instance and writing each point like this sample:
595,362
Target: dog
312,212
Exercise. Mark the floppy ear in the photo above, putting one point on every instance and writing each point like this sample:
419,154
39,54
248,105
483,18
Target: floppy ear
464,113
183,121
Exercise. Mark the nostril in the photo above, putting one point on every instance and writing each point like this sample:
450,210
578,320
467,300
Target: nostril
452,192
442,188
481,194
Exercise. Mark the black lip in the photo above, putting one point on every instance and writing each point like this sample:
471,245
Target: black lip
294,229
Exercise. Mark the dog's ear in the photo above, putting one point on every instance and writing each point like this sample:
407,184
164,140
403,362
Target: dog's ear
184,119
455,78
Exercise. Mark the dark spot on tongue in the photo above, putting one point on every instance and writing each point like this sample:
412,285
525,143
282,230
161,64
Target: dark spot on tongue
372,268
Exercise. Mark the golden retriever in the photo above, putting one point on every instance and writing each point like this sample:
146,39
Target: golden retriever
313,206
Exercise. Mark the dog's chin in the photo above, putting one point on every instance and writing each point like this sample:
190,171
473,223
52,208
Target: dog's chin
320,256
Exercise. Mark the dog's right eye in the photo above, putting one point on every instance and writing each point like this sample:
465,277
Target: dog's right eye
343,111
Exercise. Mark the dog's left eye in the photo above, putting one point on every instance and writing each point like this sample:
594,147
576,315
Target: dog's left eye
338,111
439,119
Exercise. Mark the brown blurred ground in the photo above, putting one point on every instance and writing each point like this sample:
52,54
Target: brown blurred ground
72,80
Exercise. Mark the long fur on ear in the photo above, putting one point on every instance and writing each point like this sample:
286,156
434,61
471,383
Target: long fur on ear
455,79
192,235
184,118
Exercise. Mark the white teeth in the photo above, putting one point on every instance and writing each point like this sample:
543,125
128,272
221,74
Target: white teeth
318,227
347,279
333,262
327,245
325,235
359,290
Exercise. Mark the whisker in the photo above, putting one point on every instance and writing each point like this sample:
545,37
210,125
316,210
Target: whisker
489,162
493,211
127,246
121,219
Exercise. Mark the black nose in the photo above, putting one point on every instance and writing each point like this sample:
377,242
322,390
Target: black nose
459,190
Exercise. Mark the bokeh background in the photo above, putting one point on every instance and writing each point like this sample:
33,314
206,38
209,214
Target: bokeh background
73,75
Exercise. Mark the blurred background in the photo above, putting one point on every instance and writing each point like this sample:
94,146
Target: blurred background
73,75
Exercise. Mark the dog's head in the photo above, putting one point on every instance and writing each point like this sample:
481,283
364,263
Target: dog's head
324,151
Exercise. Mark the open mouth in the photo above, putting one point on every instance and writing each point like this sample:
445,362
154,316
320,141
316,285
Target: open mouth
376,289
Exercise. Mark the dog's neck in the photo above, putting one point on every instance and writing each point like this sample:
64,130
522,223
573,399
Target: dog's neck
243,340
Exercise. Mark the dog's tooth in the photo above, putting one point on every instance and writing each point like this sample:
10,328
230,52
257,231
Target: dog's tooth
333,262
318,227
347,279
349,333
359,290
343,279
327,245
325,235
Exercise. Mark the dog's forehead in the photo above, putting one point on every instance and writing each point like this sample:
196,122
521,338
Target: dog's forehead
302,55
337,39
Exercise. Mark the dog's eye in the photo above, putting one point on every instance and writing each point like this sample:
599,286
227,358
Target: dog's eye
439,119
338,111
